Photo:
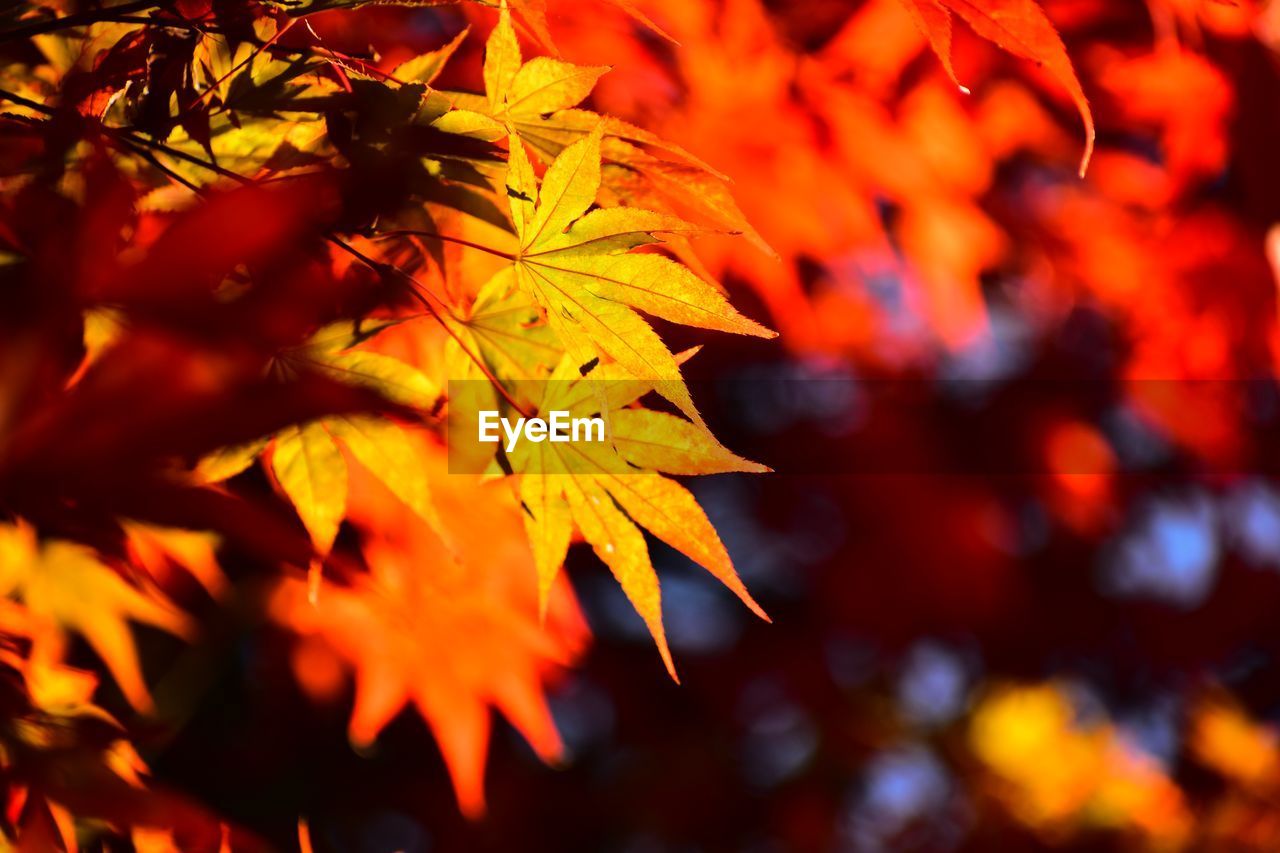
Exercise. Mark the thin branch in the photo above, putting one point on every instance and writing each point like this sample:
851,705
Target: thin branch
26,102
357,63
79,19
420,293
189,158
337,59
122,135
170,23
248,59
132,140
151,158
410,232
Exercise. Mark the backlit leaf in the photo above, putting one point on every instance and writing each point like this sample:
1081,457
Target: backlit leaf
578,269
425,68
310,470
1020,27
593,488
67,587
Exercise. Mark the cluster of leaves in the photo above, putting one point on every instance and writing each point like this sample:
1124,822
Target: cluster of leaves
251,278
220,234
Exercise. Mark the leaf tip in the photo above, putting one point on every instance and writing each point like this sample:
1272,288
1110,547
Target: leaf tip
752,604
1089,143
685,355
360,741
665,651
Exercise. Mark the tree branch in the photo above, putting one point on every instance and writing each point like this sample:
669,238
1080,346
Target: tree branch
134,141
79,19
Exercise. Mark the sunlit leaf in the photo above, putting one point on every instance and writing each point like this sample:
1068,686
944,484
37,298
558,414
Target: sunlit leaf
67,587
309,468
1020,27
578,269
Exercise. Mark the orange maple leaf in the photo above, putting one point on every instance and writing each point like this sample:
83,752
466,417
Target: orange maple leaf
452,631
1018,26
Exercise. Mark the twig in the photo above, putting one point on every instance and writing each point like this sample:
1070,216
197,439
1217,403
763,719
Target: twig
79,19
409,232
133,140
213,87
420,293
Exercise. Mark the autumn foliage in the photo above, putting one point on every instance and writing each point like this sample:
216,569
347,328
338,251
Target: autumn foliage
263,263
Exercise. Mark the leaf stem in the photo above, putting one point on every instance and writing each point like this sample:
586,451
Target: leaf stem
418,292
410,232
213,87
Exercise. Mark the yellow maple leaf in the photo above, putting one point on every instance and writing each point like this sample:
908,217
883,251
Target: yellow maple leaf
505,328
609,491
539,101
307,461
425,67
1057,767
310,470
521,91
579,268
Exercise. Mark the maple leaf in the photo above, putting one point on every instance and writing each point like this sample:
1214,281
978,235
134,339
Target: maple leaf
539,99
508,331
504,335
1018,26
70,771
636,178
578,267
66,587
450,631
306,461
533,13
155,549
517,93
934,21
426,67
253,107
609,491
